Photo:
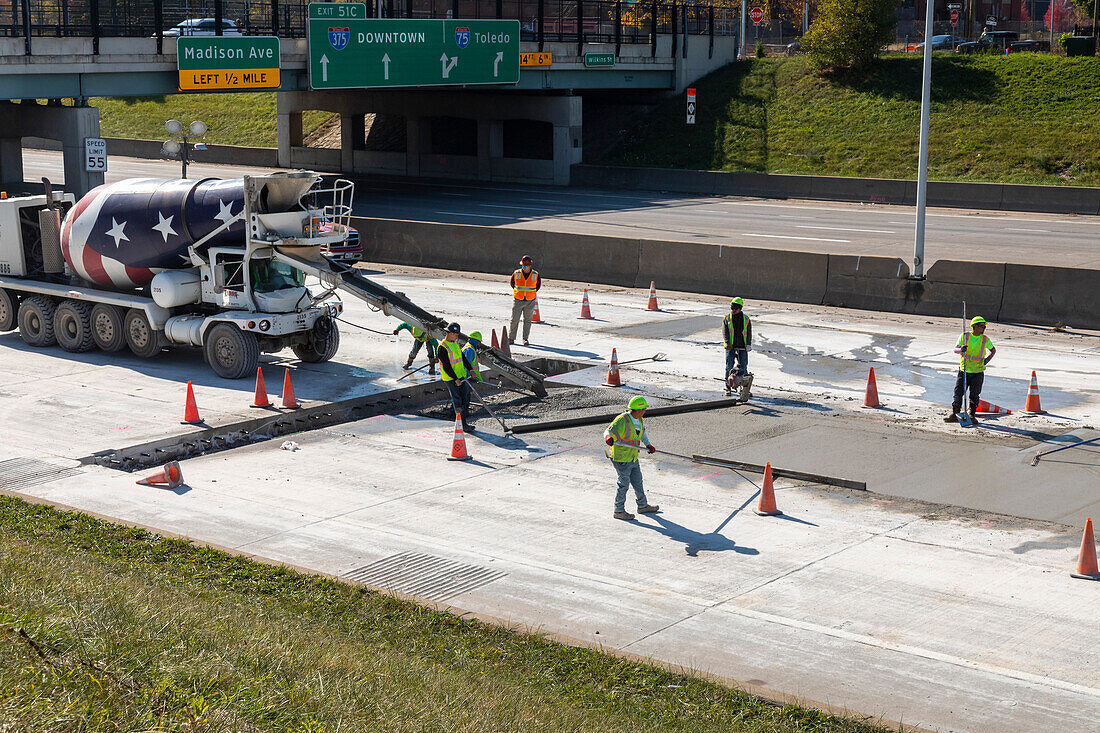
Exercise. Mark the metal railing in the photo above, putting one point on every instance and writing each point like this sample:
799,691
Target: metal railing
544,21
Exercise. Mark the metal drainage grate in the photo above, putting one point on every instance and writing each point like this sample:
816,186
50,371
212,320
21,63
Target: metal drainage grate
19,473
424,576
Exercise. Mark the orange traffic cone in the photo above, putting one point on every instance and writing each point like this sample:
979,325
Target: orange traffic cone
652,306
191,408
458,445
289,401
586,311
613,371
261,391
496,344
988,409
535,317
1086,560
766,506
1032,404
870,397
505,342
172,476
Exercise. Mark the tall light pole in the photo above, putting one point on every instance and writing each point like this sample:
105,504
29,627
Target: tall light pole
922,164
179,143
744,7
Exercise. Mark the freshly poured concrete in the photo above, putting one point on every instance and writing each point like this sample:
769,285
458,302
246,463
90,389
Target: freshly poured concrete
946,618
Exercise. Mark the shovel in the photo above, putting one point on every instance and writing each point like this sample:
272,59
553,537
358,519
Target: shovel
964,417
492,414
655,357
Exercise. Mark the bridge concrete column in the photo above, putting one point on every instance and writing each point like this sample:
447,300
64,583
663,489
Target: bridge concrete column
353,133
288,127
11,159
69,125
484,154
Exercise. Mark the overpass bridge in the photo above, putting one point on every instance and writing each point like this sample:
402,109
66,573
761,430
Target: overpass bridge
529,131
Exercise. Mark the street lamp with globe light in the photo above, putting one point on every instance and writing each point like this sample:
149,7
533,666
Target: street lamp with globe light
179,145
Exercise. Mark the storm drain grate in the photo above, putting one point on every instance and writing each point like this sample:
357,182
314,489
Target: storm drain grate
424,576
19,473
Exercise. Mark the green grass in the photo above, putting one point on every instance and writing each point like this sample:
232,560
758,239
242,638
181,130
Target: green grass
1025,118
107,628
233,118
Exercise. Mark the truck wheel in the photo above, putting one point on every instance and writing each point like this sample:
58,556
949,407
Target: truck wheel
231,352
107,327
324,341
36,320
72,325
141,337
9,307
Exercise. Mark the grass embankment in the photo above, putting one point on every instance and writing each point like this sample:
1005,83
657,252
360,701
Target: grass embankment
1025,118
107,628
234,118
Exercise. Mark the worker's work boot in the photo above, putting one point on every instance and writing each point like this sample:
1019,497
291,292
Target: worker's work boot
469,427
951,417
526,342
973,414
649,509
625,516
407,364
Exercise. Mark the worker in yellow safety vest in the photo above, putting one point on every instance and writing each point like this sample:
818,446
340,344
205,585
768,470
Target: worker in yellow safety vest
975,350
469,352
525,285
737,337
420,338
624,437
456,370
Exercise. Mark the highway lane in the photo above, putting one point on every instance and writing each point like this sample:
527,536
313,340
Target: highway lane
812,226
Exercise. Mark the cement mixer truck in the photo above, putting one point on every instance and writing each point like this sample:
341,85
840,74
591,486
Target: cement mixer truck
213,264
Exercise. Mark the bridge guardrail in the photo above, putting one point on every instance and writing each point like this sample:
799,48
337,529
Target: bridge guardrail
542,21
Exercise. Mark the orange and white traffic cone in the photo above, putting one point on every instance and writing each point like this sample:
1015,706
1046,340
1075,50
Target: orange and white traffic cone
766,506
171,476
458,445
1086,559
586,311
505,342
535,317
1032,404
261,391
289,400
191,408
984,408
613,371
496,343
652,305
870,397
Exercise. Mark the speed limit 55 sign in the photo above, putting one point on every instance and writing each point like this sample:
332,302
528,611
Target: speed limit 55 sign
95,154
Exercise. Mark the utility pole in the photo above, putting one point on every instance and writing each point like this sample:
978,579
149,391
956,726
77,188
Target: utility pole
922,165
744,10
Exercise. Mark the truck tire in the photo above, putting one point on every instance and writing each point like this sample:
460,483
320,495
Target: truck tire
108,331
231,352
324,342
9,307
36,320
141,337
72,326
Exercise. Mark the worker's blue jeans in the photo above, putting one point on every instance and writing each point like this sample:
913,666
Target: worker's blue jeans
736,359
629,473
460,398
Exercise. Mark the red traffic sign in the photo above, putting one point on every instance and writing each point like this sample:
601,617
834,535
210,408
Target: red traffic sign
757,15
954,17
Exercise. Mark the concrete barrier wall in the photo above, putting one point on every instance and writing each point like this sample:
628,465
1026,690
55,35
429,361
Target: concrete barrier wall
133,148
1016,293
993,196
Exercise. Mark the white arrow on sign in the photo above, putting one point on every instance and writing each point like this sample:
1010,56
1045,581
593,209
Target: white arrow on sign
324,68
496,62
447,66
386,66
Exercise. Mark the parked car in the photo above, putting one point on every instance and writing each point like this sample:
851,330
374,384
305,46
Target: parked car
941,43
795,49
350,250
203,27
989,41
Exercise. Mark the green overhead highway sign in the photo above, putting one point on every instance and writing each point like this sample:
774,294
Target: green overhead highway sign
348,50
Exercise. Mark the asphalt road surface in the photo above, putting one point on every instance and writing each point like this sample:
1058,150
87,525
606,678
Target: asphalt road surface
808,226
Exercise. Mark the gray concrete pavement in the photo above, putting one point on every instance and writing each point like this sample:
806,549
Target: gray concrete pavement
954,618
839,228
